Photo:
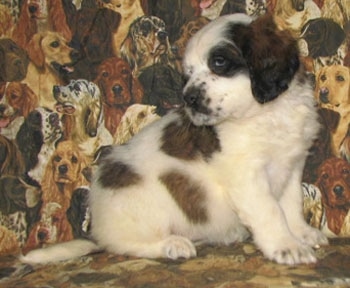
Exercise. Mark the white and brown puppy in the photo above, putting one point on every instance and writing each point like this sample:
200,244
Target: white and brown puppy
229,164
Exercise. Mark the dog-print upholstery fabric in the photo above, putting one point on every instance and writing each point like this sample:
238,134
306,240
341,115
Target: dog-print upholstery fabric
78,76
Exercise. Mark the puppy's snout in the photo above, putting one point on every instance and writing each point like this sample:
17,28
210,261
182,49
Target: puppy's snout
32,9
324,92
162,35
75,55
42,235
117,89
338,190
63,169
192,96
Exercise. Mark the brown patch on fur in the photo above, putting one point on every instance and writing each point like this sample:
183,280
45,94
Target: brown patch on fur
184,140
188,195
115,174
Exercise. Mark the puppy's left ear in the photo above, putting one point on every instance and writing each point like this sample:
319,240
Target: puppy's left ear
272,57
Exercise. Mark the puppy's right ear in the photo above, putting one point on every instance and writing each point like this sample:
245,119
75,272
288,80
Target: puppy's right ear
35,52
271,55
128,51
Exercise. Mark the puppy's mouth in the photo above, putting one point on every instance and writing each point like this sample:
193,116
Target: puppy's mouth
63,68
66,108
4,122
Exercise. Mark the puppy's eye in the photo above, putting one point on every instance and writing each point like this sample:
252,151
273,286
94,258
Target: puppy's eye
219,61
323,77
74,159
13,96
346,171
325,176
55,44
340,78
57,159
105,74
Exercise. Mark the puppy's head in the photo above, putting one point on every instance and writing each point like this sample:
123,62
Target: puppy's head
233,64
67,163
80,98
334,182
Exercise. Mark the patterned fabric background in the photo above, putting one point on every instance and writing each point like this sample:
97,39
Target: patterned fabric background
76,75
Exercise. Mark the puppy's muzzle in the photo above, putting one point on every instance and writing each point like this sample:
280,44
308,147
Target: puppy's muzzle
194,99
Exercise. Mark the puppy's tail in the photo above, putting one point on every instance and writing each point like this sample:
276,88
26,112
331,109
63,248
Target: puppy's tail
61,251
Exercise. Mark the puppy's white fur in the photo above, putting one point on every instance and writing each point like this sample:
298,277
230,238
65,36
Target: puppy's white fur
252,179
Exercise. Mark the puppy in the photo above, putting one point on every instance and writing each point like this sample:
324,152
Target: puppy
119,89
52,227
147,43
36,139
212,172
334,183
63,174
50,60
83,119
13,61
332,91
129,10
16,103
162,87
135,118
333,86
293,15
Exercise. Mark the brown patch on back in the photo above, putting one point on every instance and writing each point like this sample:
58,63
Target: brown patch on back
186,141
188,195
115,174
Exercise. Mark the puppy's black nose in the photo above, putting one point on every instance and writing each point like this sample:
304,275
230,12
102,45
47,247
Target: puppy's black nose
162,35
192,96
32,9
42,234
338,190
117,89
63,169
324,92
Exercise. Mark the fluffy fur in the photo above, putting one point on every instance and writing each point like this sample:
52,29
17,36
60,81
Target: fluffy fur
214,171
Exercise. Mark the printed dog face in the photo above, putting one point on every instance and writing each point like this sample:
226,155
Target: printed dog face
332,85
80,98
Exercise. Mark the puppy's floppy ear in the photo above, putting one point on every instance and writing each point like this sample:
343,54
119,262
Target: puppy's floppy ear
272,57
35,51
128,51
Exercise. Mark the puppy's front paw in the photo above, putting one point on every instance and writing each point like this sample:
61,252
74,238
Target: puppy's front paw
179,247
292,253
